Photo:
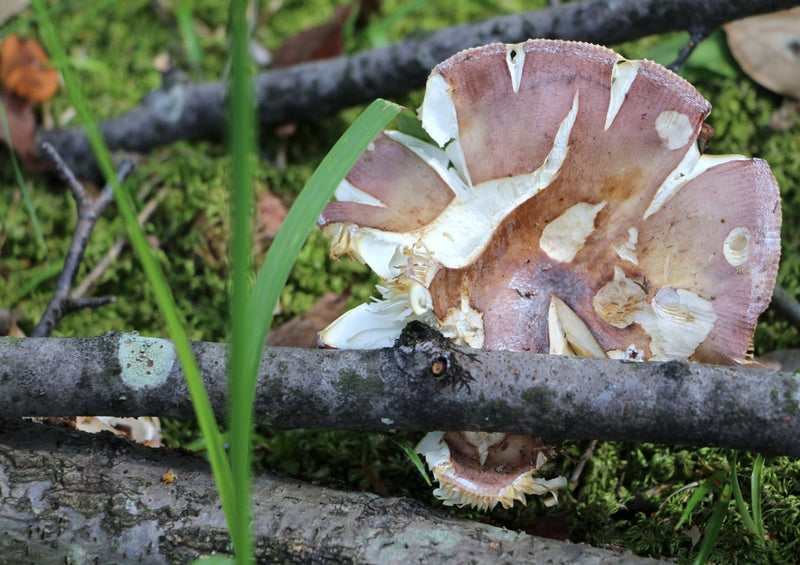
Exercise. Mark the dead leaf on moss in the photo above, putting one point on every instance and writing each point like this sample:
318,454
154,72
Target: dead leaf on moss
21,126
25,69
767,47
270,213
318,42
302,330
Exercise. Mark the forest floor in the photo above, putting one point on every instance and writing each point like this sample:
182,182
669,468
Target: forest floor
629,495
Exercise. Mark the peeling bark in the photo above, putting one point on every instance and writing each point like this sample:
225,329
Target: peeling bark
318,89
70,497
554,397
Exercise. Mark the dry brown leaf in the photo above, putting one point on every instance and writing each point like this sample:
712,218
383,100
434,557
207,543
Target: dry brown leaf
24,69
318,42
767,47
21,126
270,213
302,330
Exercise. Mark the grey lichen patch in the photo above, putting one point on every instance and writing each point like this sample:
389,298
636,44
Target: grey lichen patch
145,361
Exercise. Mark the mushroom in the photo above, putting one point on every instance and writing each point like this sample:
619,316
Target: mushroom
567,209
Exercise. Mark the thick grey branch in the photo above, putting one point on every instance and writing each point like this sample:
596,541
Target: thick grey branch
317,89
70,497
554,397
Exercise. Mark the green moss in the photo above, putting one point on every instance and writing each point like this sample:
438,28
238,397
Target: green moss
628,495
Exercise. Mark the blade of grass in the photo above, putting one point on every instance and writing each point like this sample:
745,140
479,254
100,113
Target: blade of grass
714,525
255,319
699,494
161,290
756,484
241,114
301,218
26,197
412,454
253,316
184,14
741,505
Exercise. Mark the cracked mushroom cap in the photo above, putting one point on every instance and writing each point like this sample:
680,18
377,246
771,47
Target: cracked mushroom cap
566,210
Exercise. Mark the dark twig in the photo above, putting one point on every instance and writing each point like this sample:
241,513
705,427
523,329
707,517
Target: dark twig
576,473
311,91
696,35
786,306
89,210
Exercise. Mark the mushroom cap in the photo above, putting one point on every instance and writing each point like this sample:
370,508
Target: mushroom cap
566,210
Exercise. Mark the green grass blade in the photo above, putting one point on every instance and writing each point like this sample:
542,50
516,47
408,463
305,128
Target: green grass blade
26,197
161,290
378,33
714,525
412,454
699,494
184,14
756,485
242,117
301,218
741,505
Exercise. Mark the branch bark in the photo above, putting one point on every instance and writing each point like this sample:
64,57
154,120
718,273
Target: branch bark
550,396
318,89
71,497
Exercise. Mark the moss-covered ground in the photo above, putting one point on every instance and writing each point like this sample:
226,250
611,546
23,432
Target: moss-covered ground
628,495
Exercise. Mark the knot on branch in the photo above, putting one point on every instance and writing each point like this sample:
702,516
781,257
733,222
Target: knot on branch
427,355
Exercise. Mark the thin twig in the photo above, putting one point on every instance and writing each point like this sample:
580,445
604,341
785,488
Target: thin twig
576,474
89,211
696,35
104,264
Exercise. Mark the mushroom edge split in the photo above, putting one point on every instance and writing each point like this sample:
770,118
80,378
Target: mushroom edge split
566,208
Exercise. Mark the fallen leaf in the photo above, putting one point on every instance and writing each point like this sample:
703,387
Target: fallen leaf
318,42
302,330
21,125
24,69
767,47
270,213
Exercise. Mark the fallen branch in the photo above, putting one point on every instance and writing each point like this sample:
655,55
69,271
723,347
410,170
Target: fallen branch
318,89
89,210
67,496
551,396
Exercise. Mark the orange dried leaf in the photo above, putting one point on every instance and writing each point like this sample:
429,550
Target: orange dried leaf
24,69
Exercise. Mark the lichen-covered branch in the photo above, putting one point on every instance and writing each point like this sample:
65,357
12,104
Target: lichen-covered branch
317,89
420,384
71,497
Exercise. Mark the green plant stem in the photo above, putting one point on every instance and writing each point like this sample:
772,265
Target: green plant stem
301,218
714,525
242,374
161,290
741,505
756,484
